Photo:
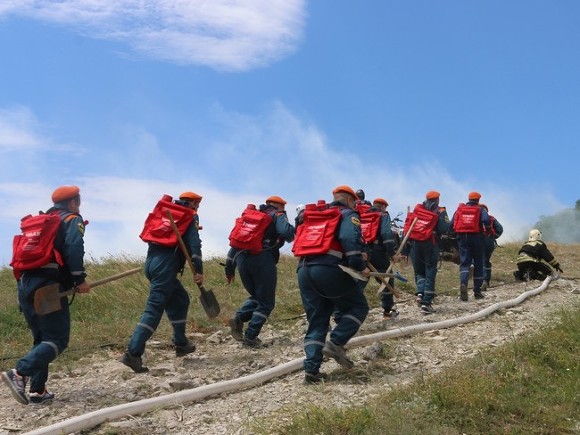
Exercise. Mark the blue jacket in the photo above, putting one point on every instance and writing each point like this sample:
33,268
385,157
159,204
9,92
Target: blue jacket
70,243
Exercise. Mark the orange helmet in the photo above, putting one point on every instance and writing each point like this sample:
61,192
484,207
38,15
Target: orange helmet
474,196
190,196
277,199
63,193
432,194
346,189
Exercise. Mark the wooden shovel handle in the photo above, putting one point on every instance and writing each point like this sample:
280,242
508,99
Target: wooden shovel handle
385,281
182,245
106,280
115,277
402,245
207,298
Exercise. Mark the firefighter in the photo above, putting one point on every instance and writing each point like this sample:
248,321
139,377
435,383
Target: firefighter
471,222
163,264
431,221
324,286
257,268
535,261
495,231
381,249
50,332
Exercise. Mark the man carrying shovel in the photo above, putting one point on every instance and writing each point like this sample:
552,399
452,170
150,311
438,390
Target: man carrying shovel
165,260
56,239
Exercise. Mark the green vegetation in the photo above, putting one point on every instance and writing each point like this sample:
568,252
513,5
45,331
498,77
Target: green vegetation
106,317
531,387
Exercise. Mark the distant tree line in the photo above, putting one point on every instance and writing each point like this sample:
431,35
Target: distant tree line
563,227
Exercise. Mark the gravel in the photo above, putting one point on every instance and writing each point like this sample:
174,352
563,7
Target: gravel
99,381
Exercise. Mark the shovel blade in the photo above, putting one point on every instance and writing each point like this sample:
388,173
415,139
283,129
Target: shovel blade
209,302
47,299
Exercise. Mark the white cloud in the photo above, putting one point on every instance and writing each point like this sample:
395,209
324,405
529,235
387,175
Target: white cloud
27,148
221,34
18,130
272,153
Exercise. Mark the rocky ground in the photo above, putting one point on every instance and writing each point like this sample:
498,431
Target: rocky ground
99,381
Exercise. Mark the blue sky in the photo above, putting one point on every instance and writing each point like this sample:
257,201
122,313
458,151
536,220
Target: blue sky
242,100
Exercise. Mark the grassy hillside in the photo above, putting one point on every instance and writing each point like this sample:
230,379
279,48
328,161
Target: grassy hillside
529,388
107,316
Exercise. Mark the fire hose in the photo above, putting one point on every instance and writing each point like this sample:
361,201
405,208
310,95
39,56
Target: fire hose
95,418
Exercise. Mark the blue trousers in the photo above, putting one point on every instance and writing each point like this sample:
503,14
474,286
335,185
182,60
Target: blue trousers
424,257
489,248
259,276
322,289
166,295
471,250
381,262
50,333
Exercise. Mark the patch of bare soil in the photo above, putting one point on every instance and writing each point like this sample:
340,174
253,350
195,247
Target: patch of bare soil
100,381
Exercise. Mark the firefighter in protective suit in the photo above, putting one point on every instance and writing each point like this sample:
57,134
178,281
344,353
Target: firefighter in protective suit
535,261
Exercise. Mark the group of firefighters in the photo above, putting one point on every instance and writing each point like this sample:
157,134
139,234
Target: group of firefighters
334,241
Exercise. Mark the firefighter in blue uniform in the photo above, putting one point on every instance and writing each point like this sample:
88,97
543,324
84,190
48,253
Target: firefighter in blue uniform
425,254
495,232
471,245
50,332
380,253
166,293
258,273
324,287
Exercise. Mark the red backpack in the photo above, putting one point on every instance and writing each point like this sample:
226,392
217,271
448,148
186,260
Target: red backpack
362,208
34,248
370,223
249,229
467,219
316,235
491,232
157,227
425,224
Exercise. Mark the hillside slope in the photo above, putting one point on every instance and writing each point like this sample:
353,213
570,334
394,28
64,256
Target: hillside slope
97,380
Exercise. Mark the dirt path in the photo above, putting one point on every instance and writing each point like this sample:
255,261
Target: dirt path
100,381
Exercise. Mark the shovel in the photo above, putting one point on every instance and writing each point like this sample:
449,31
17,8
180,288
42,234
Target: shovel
47,298
207,299
357,275
401,246
385,282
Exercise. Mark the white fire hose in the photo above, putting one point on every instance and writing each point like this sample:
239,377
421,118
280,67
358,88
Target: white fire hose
95,418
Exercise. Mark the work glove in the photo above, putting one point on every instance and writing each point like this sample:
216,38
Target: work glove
557,267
